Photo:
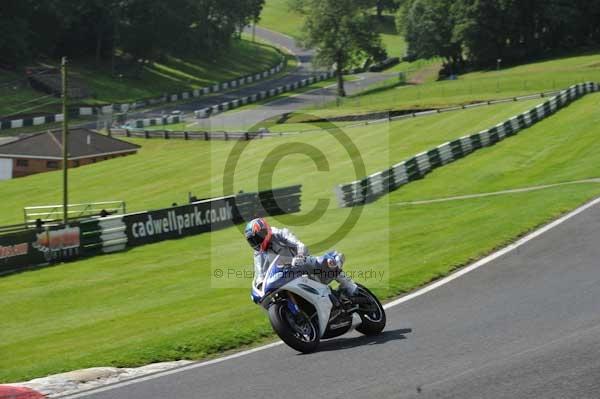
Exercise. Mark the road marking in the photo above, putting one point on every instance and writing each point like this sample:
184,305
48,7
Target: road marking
493,256
389,305
494,193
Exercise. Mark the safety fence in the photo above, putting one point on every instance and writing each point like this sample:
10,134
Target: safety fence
378,184
164,120
166,98
375,118
414,114
99,235
261,95
53,214
206,136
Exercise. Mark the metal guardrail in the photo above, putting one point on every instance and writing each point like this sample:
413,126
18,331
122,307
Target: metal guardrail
13,228
185,135
48,214
409,115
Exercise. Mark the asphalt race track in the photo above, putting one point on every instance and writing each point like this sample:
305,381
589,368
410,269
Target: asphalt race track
526,325
272,108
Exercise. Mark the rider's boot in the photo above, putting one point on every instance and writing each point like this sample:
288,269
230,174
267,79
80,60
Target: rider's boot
347,286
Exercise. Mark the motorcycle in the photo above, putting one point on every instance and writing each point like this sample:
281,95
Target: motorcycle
302,310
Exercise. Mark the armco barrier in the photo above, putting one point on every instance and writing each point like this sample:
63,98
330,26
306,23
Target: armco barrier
91,237
378,184
165,120
89,111
227,105
206,136
409,115
223,135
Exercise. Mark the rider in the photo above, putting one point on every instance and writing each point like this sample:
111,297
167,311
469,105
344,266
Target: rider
268,242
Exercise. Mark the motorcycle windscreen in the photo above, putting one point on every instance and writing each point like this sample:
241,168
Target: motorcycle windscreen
276,278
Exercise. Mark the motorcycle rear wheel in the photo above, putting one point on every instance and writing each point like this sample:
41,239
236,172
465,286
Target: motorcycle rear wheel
299,332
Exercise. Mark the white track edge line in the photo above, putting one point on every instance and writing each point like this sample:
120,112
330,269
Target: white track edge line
494,255
389,305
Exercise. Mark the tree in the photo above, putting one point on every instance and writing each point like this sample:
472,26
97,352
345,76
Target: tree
15,35
33,29
382,5
341,33
485,29
428,28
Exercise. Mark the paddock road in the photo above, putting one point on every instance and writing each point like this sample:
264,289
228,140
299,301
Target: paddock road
525,325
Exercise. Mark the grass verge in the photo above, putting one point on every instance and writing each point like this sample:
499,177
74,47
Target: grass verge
147,305
536,77
145,180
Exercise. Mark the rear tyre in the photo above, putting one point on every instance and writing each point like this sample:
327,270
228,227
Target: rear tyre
371,312
299,332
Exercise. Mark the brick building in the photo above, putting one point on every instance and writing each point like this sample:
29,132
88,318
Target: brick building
42,152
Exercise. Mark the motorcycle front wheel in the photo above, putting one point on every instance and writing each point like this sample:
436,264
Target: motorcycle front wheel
299,331
371,312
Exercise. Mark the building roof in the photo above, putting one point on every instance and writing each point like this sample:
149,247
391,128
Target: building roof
9,139
83,143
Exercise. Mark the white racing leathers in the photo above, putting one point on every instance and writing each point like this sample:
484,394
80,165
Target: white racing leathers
285,244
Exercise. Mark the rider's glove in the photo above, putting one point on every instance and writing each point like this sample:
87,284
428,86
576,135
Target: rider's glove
298,260
335,260
301,250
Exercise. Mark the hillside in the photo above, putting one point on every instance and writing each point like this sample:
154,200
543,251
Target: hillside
541,76
149,183
134,80
107,310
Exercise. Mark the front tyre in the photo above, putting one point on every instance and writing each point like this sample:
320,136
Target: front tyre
371,312
299,331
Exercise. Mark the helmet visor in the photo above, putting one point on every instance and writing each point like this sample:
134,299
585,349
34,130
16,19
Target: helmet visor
255,242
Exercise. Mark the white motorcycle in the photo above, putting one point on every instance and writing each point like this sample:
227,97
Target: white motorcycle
303,310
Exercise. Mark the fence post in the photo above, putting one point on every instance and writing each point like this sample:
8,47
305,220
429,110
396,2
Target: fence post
185,136
166,135
127,133
206,136
146,134
246,136
226,137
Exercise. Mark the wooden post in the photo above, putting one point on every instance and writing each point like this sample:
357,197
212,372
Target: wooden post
65,139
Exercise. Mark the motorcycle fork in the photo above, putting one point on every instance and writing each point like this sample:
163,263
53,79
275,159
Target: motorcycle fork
293,304
295,309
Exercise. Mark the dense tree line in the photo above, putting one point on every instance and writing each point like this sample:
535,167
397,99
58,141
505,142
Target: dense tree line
480,32
30,29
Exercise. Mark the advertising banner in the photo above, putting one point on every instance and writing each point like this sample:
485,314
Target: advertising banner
37,247
208,215
163,224
90,237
